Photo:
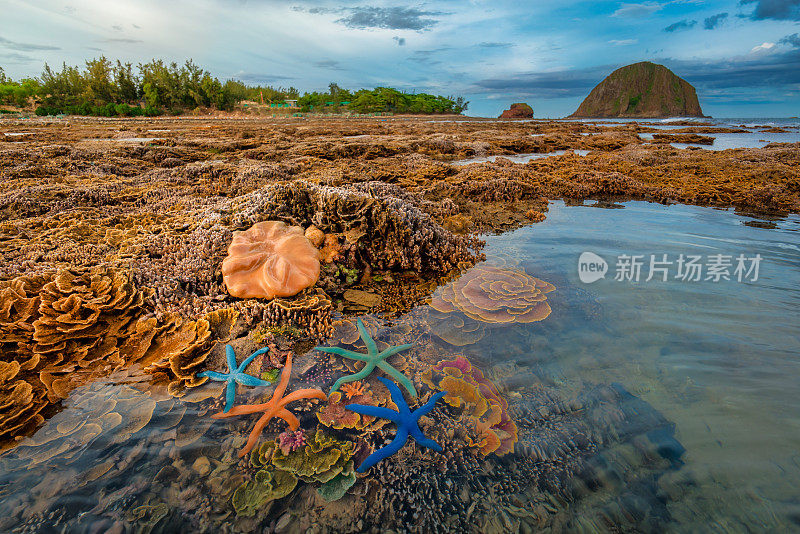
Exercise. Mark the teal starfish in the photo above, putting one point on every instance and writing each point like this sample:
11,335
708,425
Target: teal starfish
371,359
236,375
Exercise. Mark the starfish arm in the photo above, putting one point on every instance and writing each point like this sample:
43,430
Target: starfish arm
286,372
289,417
230,395
397,395
375,411
231,357
259,352
428,406
243,409
344,353
302,394
256,432
391,351
400,377
213,375
249,380
362,374
368,341
427,442
381,454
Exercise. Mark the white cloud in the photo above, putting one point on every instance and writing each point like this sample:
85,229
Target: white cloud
762,47
636,10
623,42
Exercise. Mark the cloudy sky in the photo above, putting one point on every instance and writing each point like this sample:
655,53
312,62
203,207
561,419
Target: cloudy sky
742,55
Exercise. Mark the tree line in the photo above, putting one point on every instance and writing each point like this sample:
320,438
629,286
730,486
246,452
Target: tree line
106,88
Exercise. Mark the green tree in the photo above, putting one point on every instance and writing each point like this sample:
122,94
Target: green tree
99,89
127,84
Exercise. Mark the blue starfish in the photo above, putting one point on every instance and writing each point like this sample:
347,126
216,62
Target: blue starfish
372,359
236,375
407,423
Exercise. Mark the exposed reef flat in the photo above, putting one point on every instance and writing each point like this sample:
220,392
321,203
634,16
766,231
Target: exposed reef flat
112,243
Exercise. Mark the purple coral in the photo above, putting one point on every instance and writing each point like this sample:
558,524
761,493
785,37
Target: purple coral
291,440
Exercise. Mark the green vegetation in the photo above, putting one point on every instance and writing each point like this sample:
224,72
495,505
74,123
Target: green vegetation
379,100
108,89
632,101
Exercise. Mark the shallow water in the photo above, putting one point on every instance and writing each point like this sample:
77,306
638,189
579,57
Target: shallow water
720,359
755,137
518,158
686,391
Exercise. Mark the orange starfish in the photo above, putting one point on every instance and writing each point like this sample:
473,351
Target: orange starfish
351,390
274,408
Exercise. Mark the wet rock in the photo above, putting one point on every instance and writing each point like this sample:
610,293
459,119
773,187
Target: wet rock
362,298
202,466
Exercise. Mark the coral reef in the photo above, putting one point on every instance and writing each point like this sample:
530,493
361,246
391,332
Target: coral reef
407,424
384,231
67,328
493,295
335,488
371,359
456,329
270,260
480,403
275,407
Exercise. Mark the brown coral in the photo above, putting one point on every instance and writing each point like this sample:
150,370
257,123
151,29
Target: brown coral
335,415
64,329
380,229
493,295
270,260
480,401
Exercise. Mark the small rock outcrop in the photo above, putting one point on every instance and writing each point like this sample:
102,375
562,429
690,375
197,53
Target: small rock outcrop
641,90
518,111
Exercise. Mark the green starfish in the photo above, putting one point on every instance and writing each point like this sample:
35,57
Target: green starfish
371,359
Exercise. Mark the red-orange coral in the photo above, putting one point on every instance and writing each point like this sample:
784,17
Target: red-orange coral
481,402
351,390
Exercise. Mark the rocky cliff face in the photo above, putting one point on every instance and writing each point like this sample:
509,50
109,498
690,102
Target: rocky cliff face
641,90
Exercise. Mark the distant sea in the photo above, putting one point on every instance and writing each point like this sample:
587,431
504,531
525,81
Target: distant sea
755,137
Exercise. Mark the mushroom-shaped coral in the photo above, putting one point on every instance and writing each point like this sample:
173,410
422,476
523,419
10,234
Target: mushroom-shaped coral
270,260
480,401
493,295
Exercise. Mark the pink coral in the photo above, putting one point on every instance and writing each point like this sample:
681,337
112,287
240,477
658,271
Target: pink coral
291,440
270,260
